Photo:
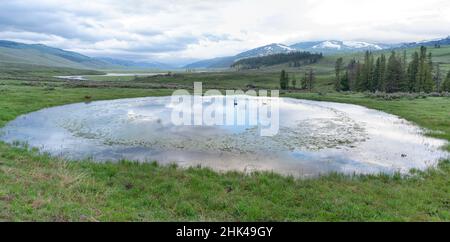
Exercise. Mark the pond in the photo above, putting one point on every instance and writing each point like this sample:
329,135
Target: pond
314,138
86,78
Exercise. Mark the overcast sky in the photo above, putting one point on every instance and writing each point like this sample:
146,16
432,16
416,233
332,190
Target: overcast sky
177,31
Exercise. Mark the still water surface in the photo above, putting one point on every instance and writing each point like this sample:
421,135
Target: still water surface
314,138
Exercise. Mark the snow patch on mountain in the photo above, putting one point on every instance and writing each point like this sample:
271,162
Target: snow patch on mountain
360,44
346,45
328,45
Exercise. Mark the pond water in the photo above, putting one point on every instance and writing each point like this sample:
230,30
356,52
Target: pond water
314,138
84,78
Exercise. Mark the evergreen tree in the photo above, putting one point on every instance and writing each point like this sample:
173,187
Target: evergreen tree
294,82
403,77
352,74
377,75
405,62
287,81
424,78
338,69
284,79
429,82
446,84
310,79
345,84
367,71
421,73
382,74
359,77
413,70
304,83
393,73
437,77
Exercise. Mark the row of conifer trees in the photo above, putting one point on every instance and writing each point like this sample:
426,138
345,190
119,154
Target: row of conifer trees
391,74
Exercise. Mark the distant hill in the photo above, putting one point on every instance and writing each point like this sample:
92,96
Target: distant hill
133,64
38,54
265,51
295,59
226,62
445,41
326,47
337,46
219,62
330,48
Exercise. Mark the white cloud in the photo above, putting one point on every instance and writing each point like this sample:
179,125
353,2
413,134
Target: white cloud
180,30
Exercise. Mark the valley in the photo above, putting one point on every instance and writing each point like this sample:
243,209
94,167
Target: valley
38,186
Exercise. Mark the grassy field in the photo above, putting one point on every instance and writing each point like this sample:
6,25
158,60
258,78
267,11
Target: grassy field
36,187
37,72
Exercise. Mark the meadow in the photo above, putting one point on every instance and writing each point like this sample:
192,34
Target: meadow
38,187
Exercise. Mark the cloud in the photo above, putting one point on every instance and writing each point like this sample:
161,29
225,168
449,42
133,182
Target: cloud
177,31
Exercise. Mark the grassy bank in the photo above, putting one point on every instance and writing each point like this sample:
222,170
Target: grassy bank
39,187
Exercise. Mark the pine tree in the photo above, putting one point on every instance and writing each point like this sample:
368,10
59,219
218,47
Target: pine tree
405,61
367,72
421,73
382,74
304,83
338,69
446,84
345,84
352,74
393,73
310,79
284,79
437,77
424,79
359,77
403,77
294,82
428,82
377,75
413,70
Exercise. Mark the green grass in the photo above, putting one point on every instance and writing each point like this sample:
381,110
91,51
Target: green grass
37,187
38,72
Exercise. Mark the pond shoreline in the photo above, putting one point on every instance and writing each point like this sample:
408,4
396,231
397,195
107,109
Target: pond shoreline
85,191
255,164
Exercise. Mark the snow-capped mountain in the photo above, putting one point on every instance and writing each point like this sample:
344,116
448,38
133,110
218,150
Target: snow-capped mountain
334,46
326,47
266,50
225,62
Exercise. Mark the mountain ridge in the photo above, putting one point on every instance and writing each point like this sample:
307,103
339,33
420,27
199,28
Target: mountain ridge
39,54
326,47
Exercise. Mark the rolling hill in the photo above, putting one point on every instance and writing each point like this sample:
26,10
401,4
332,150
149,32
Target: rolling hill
326,47
226,62
15,53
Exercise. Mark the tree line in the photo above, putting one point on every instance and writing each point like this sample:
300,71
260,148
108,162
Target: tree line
295,59
306,83
391,74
